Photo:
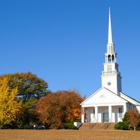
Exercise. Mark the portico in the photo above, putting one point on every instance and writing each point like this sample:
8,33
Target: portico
106,113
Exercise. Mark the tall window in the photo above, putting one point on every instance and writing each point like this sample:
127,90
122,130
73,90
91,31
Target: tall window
120,112
93,113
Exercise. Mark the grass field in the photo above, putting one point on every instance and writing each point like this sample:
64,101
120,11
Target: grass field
68,135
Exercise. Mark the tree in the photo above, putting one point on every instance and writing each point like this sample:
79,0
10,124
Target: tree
29,115
125,118
134,118
50,110
10,106
71,100
59,107
30,88
28,84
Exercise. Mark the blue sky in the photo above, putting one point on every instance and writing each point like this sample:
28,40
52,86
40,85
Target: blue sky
64,41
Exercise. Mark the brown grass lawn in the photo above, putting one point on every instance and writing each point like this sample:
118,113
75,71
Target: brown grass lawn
68,135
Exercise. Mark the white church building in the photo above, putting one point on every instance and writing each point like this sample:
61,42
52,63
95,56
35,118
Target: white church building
109,103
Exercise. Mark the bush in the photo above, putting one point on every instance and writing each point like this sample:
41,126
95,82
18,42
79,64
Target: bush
69,125
119,126
122,125
126,125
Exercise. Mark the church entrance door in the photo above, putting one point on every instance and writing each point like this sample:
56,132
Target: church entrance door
105,117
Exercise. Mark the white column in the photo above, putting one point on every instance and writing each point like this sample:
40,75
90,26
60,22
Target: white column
110,113
82,117
124,109
96,113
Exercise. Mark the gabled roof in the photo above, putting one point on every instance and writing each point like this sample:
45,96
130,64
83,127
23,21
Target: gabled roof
104,96
130,99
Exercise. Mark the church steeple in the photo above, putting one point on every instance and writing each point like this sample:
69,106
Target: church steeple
110,56
111,78
110,41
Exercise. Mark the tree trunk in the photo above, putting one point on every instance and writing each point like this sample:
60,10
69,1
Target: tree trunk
134,127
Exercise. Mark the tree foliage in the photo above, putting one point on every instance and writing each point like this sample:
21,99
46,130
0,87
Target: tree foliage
10,107
71,101
29,115
125,118
122,125
28,84
131,120
134,118
29,88
59,107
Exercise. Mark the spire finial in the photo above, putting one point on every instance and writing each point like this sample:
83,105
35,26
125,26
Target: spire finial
109,9
110,41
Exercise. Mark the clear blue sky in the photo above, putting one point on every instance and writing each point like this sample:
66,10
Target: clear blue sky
64,41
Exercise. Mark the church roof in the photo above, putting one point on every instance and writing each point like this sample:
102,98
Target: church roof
130,99
104,96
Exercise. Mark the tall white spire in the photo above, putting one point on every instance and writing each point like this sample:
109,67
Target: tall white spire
110,55
110,41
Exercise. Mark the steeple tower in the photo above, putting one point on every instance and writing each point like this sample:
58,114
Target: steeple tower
111,78
110,55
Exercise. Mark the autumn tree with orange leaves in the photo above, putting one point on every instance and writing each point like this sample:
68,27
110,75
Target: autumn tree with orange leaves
134,118
59,107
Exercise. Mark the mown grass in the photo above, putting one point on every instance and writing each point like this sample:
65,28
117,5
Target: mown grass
68,135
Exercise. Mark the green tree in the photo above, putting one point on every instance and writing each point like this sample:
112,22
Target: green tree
10,106
28,84
125,118
29,115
